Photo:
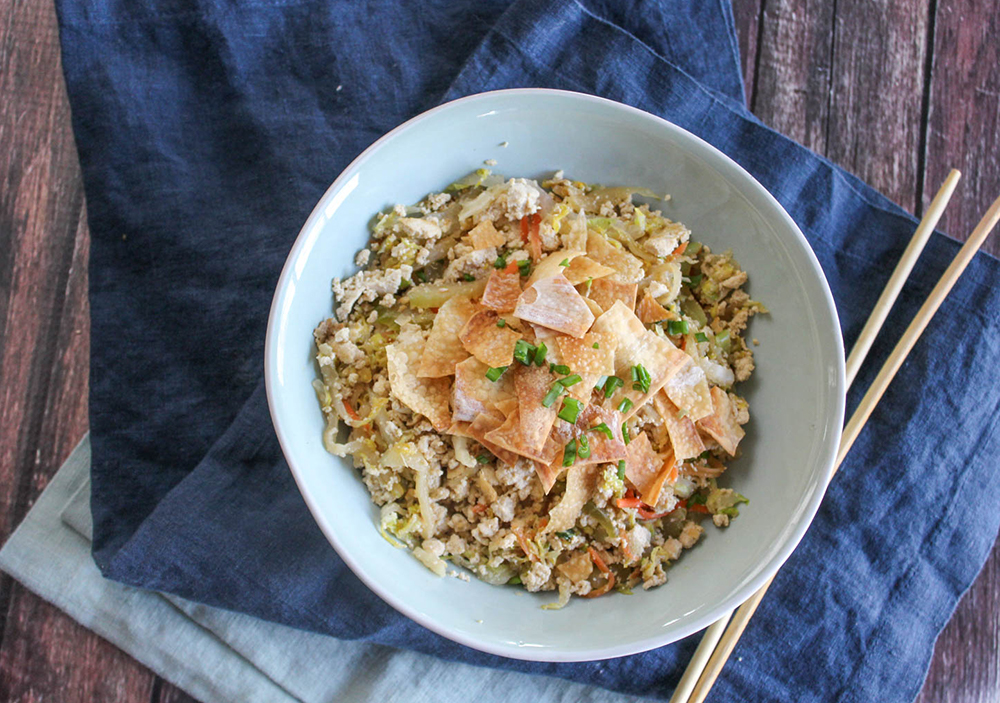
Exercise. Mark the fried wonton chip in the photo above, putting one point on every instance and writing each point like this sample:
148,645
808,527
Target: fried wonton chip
480,427
485,235
688,390
581,482
638,347
443,350
650,311
605,292
554,303
492,345
551,265
583,267
531,383
577,568
628,269
502,290
646,469
507,405
581,356
425,396
509,436
603,449
473,393
594,307
547,474
683,434
721,424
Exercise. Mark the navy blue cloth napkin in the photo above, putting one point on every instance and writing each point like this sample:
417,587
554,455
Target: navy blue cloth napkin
207,133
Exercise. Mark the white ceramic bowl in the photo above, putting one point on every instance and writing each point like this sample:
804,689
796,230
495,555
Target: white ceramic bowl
796,395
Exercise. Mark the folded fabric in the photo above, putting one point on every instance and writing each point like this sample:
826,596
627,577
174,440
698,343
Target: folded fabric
225,657
221,115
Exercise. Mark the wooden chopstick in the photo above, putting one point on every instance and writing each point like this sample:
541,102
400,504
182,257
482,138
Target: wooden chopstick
743,614
713,633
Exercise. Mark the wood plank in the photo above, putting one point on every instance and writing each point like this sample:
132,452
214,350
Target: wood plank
876,99
964,112
793,78
168,693
44,350
746,14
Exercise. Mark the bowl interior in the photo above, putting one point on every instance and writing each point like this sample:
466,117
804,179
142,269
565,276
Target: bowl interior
796,394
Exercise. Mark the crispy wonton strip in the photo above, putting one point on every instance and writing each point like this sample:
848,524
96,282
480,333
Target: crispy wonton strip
650,311
425,396
638,346
688,390
480,427
646,469
492,345
583,267
554,303
628,269
605,292
443,350
502,290
581,482
683,434
473,393
531,383
485,235
551,265
721,424
508,436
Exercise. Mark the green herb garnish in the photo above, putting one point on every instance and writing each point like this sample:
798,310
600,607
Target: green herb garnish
676,327
468,277
551,396
421,276
640,378
501,322
583,447
621,469
611,385
625,434
569,453
524,352
570,409
540,353
495,372
524,265
625,405
564,262
569,380
559,368
483,458
603,429
501,262
700,337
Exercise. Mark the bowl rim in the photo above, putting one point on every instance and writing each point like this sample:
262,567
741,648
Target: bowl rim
550,654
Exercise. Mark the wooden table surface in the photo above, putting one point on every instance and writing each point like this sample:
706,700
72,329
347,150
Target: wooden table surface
896,92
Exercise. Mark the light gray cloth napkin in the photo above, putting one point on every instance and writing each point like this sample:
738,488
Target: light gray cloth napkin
217,655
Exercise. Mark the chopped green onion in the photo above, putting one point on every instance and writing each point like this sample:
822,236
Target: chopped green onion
501,322
700,337
603,429
625,434
495,372
559,368
564,262
420,276
483,458
640,378
600,383
625,405
590,281
611,385
621,469
540,353
583,447
567,535
569,380
551,396
731,511
697,499
704,455
569,454
695,280
524,352
681,414
570,409
524,265
405,283
596,345
676,327
501,262
723,340
468,277
514,581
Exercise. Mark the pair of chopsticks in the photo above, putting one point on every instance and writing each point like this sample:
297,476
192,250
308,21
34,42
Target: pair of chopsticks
720,638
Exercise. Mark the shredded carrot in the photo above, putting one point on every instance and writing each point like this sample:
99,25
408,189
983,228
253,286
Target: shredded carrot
672,475
680,249
479,508
511,267
628,552
350,411
698,508
684,343
629,503
604,570
534,239
649,515
525,545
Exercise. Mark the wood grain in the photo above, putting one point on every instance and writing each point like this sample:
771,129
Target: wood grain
964,110
895,91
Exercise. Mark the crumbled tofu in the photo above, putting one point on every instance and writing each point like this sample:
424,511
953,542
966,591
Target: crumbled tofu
666,240
657,289
399,210
362,258
474,263
433,546
436,201
485,529
690,534
537,576
367,286
505,506
721,520
520,199
420,227
490,162
455,545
